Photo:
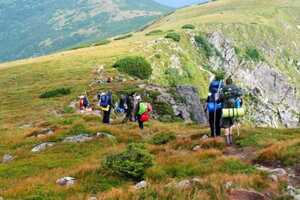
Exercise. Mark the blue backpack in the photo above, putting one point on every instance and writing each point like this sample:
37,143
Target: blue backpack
215,86
213,105
104,100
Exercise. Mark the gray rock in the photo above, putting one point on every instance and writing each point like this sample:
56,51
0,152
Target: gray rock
66,181
42,147
42,132
7,158
192,103
184,184
196,148
106,135
1,198
141,185
241,194
78,138
92,198
297,197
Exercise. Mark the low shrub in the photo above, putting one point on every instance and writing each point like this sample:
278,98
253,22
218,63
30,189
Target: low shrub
253,54
213,143
163,138
188,26
123,37
174,36
203,43
103,42
235,166
132,163
154,32
56,93
135,66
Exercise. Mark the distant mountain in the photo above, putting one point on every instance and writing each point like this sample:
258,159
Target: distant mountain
180,3
32,28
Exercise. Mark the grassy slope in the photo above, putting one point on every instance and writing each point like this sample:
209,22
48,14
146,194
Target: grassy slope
21,83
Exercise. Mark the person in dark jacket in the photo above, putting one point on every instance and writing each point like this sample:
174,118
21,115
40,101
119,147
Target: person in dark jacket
130,105
138,100
215,115
106,113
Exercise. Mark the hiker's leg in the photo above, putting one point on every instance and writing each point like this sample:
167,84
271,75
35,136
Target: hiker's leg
211,124
106,117
218,123
231,135
227,136
141,124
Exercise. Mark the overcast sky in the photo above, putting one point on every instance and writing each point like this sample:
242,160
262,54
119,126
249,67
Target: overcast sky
179,3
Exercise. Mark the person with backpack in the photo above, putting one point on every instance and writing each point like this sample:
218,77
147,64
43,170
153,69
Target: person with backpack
142,112
231,98
130,106
122,106
214,105
83,103
106,105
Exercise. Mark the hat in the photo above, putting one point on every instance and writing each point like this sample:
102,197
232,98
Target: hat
81,97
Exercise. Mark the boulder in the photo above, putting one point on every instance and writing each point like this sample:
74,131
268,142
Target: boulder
192,103
66,181
240,194
42,147
78,138
92,198
141,185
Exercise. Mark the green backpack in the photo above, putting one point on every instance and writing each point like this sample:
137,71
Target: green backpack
143,108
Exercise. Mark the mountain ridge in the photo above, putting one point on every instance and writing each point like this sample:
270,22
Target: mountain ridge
45,27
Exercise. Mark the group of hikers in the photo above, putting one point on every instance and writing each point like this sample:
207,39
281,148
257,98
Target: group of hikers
224,107
131,105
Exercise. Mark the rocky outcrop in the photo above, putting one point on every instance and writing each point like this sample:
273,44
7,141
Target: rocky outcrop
274,101
184,101
192,103
7,158
78,138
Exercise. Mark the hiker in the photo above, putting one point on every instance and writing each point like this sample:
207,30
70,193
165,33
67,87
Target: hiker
122,106
231,98
106,105
142,112
214,105
83,103
130,106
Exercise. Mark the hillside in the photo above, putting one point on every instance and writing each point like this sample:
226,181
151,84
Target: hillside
255,41
47,26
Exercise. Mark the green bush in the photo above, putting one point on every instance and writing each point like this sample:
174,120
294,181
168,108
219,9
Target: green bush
56,93
163,138
135,66
253,54
103,42
132,163
203,43
123,37
188,26
154,32
174,36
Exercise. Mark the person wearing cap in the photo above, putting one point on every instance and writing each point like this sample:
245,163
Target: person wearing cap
81,103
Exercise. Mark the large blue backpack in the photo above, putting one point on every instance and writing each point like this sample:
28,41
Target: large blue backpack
104,100
215,86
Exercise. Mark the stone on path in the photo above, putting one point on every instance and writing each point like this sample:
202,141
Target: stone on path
42,147
7,158
78,138
141,185
66,181
105,135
